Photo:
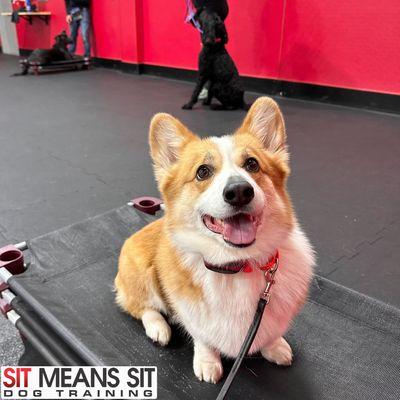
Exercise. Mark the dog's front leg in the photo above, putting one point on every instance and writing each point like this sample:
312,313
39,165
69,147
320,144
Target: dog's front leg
207,364
201,81
278,352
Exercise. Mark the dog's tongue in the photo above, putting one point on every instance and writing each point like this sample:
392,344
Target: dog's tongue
240,229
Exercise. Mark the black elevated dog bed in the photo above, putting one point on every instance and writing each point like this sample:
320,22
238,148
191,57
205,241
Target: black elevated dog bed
78,62
346,345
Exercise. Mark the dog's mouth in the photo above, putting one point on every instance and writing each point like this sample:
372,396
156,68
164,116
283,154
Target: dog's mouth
238,230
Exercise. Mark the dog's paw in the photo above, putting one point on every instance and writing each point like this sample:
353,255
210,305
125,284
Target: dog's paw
207,364
187,106
279,352
159,332
156,327
207,371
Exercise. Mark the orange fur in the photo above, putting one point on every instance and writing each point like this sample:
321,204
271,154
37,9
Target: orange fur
157,275
149,264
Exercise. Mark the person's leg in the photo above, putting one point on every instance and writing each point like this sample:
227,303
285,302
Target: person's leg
74,27
86,30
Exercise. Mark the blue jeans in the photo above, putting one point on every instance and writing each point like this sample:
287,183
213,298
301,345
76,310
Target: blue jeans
84,24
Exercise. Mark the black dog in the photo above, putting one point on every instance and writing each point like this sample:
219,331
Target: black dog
216,66
59,52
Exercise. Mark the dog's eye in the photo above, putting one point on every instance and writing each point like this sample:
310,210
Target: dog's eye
203,172
251,165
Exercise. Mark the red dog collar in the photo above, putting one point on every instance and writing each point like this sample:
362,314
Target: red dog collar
245,266
273,260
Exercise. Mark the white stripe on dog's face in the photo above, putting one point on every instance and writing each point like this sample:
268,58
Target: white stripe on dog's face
212,201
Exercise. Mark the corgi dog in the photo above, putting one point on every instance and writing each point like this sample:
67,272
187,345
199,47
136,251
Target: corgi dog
226,209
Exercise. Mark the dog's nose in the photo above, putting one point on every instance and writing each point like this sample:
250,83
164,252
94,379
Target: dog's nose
238,192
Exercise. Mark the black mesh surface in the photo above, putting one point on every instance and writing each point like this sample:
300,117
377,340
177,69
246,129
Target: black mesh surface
346,345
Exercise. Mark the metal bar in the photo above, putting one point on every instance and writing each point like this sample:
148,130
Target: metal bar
8,296
21,246
13,317
5,275
36,342
49,340
57,347
87,355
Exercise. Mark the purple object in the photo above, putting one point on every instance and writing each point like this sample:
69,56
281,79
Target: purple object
190,13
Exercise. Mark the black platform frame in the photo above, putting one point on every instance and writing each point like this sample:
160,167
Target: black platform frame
346,345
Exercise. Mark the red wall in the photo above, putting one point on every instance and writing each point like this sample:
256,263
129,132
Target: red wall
348,44
39,34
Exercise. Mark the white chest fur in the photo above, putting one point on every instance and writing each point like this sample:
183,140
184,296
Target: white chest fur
223,316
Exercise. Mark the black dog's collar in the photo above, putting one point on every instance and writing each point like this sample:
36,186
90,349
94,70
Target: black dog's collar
228,268
243,265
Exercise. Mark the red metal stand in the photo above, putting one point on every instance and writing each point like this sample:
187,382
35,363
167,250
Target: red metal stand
147,204
12,259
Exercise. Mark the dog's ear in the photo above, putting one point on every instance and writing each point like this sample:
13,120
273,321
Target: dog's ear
264,119
167,138
197,15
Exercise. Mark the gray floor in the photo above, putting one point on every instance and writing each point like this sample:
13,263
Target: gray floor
73,145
